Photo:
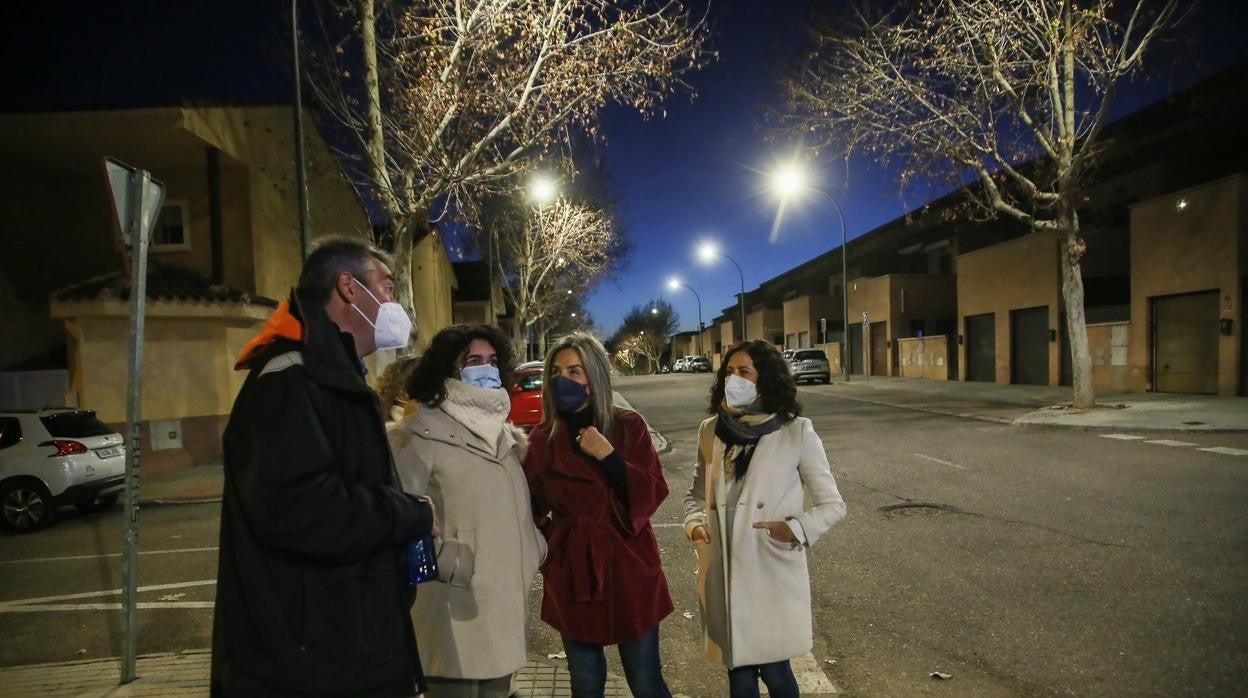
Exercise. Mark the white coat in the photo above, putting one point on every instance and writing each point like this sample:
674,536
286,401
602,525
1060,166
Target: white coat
472,623
766,583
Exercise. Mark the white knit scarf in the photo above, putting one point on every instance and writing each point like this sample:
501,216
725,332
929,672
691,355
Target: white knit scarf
482,411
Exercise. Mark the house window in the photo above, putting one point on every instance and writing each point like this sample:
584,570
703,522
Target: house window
172,232
803,340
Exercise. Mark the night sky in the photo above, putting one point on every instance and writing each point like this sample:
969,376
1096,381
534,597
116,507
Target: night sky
694,174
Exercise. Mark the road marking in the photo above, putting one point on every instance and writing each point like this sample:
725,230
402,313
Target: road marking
72,607
1168,442
104,555
1225,451
942,462
4,605
810,678
1121,437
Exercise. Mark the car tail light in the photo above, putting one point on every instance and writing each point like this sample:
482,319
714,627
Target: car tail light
65,447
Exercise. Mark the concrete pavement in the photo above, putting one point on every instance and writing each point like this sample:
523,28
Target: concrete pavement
187,674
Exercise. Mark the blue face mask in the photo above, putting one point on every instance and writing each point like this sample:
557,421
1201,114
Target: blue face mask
569,395
483,376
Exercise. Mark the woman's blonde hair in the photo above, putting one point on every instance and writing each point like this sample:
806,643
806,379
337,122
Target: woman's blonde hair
597,369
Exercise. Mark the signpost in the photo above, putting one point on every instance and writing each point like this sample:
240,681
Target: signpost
866,343
137,199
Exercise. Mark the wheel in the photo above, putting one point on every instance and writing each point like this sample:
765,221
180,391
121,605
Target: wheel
27,505
98,504
826,380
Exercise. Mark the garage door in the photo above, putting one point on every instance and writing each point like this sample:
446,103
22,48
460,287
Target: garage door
879,348
855,348
1185,343
981,348
1029,346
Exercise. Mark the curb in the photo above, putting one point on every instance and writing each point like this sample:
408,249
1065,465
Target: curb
172,501
1023,423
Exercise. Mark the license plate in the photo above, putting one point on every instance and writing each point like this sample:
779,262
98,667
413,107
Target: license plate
109,452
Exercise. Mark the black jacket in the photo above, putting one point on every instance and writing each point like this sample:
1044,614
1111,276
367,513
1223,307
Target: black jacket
311,594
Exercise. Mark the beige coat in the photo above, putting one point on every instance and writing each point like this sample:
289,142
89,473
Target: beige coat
471,623
766,582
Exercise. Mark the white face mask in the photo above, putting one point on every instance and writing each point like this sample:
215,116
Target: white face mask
739,392
392,328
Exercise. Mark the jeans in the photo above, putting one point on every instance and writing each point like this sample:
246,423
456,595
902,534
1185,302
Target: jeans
587,665
781,683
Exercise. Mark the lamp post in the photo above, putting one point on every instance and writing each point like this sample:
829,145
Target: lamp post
707,252
791,181
301,175
674,284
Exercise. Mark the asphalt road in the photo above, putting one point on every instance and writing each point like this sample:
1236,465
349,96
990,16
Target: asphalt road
1042,562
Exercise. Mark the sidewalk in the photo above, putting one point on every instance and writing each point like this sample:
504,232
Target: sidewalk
187,674
1044,406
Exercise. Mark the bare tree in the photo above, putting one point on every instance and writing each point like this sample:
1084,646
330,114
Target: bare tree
646,329
449,99
1010,95
550,256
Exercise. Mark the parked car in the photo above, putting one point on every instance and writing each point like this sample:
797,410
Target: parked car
698,364
810,365
530,364
678,366
56,457
526,397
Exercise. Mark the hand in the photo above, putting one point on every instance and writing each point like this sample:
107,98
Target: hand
700,534
594,443
434,530
778,530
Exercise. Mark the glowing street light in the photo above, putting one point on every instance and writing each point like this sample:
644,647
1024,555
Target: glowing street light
708,250
674,284
791,181
543,189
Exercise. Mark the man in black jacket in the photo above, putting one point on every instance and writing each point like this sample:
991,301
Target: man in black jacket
311,591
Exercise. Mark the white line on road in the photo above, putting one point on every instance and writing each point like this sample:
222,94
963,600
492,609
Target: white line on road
1225,451
70,607
942,462
1169,442
103,555
1121,437
4,605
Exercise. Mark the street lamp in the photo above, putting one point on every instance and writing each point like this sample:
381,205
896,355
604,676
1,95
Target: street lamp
707,252
543,189
789,182
673,284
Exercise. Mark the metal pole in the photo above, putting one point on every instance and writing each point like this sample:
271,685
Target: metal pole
740,274
301,176
844,289
699,299
139,233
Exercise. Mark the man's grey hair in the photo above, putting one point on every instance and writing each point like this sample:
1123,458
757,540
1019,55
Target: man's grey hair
331,257
597,369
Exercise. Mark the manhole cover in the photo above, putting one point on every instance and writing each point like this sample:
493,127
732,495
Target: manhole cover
912,509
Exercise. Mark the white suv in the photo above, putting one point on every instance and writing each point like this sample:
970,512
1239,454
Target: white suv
53,457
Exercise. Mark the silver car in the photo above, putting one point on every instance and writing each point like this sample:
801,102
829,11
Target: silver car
810,365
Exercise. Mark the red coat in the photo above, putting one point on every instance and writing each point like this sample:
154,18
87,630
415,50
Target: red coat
604,580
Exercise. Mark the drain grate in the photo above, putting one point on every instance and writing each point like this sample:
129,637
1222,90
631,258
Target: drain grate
913,509
1194,424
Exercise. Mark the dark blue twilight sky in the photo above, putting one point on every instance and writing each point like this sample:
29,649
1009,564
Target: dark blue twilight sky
691,175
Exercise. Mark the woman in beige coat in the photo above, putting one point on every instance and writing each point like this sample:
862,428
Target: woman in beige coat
757,459
471,624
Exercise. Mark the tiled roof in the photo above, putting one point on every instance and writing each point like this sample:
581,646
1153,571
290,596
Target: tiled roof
164,283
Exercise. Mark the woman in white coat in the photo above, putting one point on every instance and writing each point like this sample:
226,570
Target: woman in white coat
756,460
458,449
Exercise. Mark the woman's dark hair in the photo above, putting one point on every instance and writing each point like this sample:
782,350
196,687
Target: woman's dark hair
446,351
775,383
393,380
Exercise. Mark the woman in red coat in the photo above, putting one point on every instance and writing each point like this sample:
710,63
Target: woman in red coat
595,481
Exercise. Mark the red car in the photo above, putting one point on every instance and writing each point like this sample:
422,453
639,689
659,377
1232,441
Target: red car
526,398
